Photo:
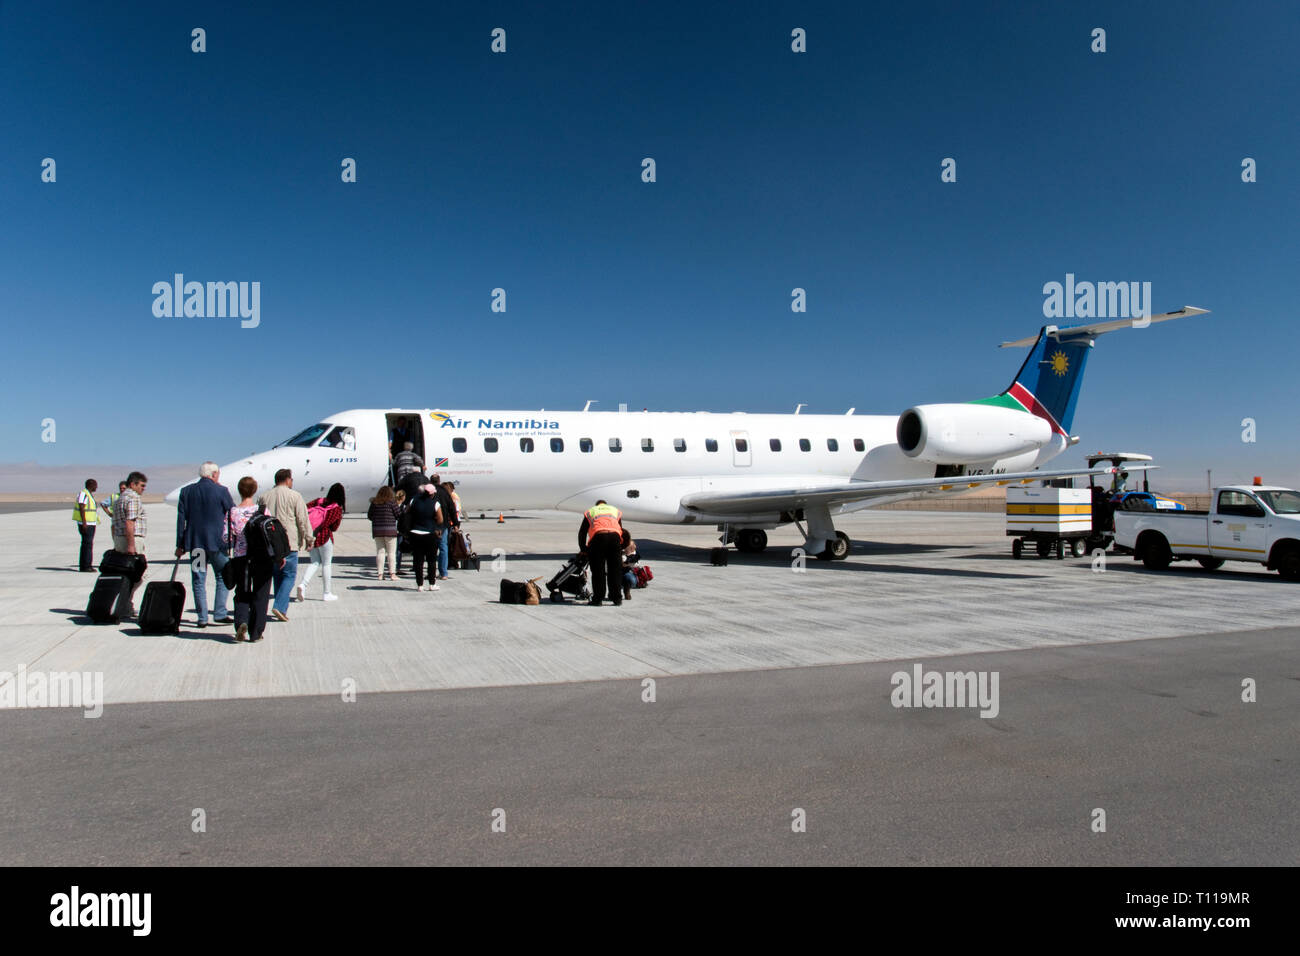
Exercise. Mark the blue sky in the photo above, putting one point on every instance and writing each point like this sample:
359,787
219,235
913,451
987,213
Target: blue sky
522,170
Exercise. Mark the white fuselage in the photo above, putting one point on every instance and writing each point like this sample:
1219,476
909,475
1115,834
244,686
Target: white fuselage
504,460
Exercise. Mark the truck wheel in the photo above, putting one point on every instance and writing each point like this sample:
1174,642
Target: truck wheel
1017,546
1156,555
1210,564
1288,564
1044,547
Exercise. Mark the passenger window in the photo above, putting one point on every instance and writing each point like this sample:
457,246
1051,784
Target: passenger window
832,445
616,444
647,444
586,444
679,444
859,445
459,446
774,444
525,444
710,444
489,444
742,445
557,444
805,444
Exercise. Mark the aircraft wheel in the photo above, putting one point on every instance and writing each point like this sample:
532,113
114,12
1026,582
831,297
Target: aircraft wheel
845,543
838,549
751,540
1078,547
1017,547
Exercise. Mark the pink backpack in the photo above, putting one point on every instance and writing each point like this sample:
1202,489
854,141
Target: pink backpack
316,515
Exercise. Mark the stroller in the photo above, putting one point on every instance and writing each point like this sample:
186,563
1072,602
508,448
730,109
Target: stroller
571,579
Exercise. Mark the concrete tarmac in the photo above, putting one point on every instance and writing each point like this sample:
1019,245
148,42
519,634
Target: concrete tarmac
917,585
1120,690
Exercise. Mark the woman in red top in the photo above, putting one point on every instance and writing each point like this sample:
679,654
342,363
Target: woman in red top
328,515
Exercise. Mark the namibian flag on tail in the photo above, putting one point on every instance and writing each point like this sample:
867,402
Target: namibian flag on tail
1048,383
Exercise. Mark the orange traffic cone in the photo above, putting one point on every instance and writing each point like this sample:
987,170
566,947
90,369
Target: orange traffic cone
501,519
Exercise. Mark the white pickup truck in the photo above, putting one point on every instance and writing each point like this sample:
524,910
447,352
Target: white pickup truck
1245,523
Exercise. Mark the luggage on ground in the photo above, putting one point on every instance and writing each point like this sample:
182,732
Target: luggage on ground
718,557
643,574
110,599
163,604
532,591
570,579
514,592
462,554
120,564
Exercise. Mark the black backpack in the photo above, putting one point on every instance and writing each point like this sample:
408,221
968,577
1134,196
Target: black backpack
267,539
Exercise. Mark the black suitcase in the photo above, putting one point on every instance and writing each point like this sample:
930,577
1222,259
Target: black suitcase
120,564
718,557
164,601
110,599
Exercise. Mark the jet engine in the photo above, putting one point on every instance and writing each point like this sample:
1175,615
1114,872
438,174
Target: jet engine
955,434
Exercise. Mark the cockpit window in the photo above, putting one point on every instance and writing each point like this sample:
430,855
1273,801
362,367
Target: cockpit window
307,437
341,437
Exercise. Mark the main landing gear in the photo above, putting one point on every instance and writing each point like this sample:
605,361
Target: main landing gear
837,548
821,540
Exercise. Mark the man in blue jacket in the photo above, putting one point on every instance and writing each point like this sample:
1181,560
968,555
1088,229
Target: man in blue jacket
200,523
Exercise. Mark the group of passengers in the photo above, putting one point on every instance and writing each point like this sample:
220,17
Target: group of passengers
215,532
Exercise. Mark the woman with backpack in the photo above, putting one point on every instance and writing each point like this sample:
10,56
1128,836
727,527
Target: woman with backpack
251,577
325,515
384,514
425,515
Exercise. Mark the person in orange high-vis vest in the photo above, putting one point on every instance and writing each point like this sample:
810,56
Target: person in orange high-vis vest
601,539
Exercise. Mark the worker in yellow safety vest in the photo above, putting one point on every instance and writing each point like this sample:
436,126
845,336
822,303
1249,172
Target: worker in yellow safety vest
601,539
86,514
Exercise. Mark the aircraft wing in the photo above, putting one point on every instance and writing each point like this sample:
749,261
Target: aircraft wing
791,499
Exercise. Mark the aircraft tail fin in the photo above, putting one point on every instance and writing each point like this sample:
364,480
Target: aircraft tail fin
1049,381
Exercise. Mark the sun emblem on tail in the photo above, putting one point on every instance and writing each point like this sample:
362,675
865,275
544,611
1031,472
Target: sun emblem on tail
1060,364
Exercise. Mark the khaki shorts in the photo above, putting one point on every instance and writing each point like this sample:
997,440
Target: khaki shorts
119,544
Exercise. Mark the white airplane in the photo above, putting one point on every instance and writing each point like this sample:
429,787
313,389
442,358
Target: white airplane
745,473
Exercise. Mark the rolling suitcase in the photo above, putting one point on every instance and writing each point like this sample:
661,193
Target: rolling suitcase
119,564
110,599
718,557
160,611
